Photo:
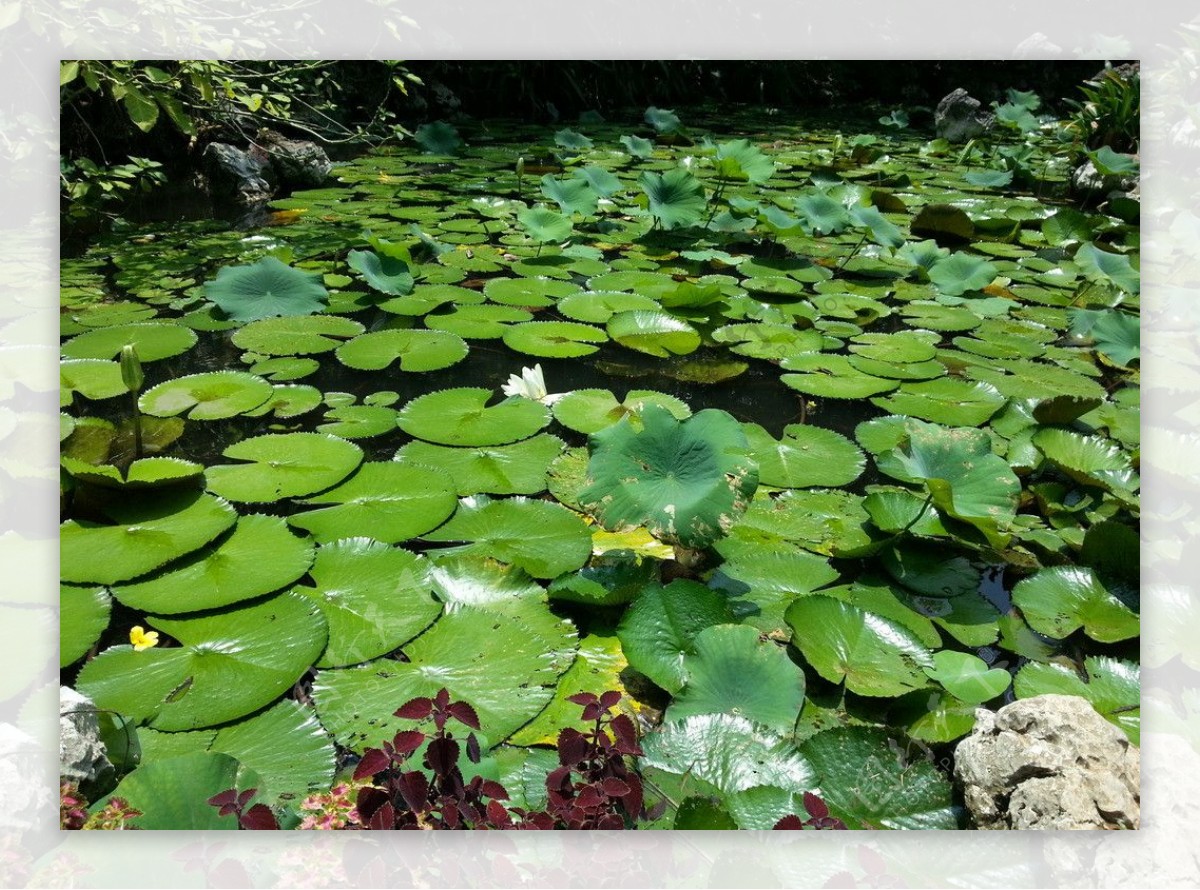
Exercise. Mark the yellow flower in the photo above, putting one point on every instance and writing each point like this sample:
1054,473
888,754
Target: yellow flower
142,638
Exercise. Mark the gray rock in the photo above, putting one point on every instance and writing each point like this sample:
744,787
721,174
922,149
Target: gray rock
297,163
1049,762
236,175
82,756
24,786
1086,179
958,118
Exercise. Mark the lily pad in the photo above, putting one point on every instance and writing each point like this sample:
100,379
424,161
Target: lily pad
524,292
542,538
149,472
389,501
961,272
230,663
731,671
949,400
296,335
210,396
554,339
654,333
832,376
598,307
1091,460
686,481
804,456
493,661
153,341
375,598
259,556
967,677
284,465
147,532
266,288
463,417
660,625
485,322
92,378
165,792
492,469
1061,599
870,654
416,350
1108,268
590,410
387,274
84,615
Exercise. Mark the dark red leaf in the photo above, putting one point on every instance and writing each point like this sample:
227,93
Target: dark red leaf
473,752
442,699
589,797
259,818
789,823
572,747
626,734
245,797
224,799
441,756
609,699
384,819
407,741
611,822
615,787
415,709
584,698
815,806
373,761
592,711
558,779
494,790
634,801
464,713
414,788
497,816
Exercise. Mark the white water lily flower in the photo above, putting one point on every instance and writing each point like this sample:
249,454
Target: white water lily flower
530,385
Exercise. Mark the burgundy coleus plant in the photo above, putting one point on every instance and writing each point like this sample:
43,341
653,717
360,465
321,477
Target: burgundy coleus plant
818,817
252,818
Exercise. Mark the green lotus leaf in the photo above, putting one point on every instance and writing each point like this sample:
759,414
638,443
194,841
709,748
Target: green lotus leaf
284,465
386,274
1110,163
358,421
486,322
637,146
823,214
602,182
765,580
886,601
948,400
572,140
654,333
1021,379
731,671
1068,226
964,479
288,400
743,161
285,368
989,178
663,120
727,754
686,481
92,378
598,307
388,501
463,417
148,532
865,783
1091,460
832,376
542,538
149,472
215,395
491,469
153,341
375,598
871,654
1108,268
84,615
291,752
804,456
883,231
967,677
768,341
597,669
259,556
554,339
571,195
416,350
831,523
931,716
651,284
1112,686
165,793
477,580
528,291
658,628
438,138
229,664
943,219
927,569
266,288
961,272
590,410
427,297
544,225
612,578
296,335
495,662
676,197
1117,335
1059,600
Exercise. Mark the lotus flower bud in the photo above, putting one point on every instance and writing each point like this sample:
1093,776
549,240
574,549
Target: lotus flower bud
131,368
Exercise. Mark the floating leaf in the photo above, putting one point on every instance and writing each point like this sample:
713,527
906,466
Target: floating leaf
149,472
84,615
463,417
676,197
259,556
590,410
1059,600
386,274
416,350
492,469
438,138
1111,268
686,481
967,677
296,335
389,501
210,396
869,653
152,340
542,538
1091,460
284,465
148,532
654,333
230,663
266,288
804,456
949,400
554,339
169,794
485,322
961,272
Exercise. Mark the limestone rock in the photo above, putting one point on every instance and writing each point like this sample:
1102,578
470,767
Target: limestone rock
1049,762
297,162
958,118
241,176
82,756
